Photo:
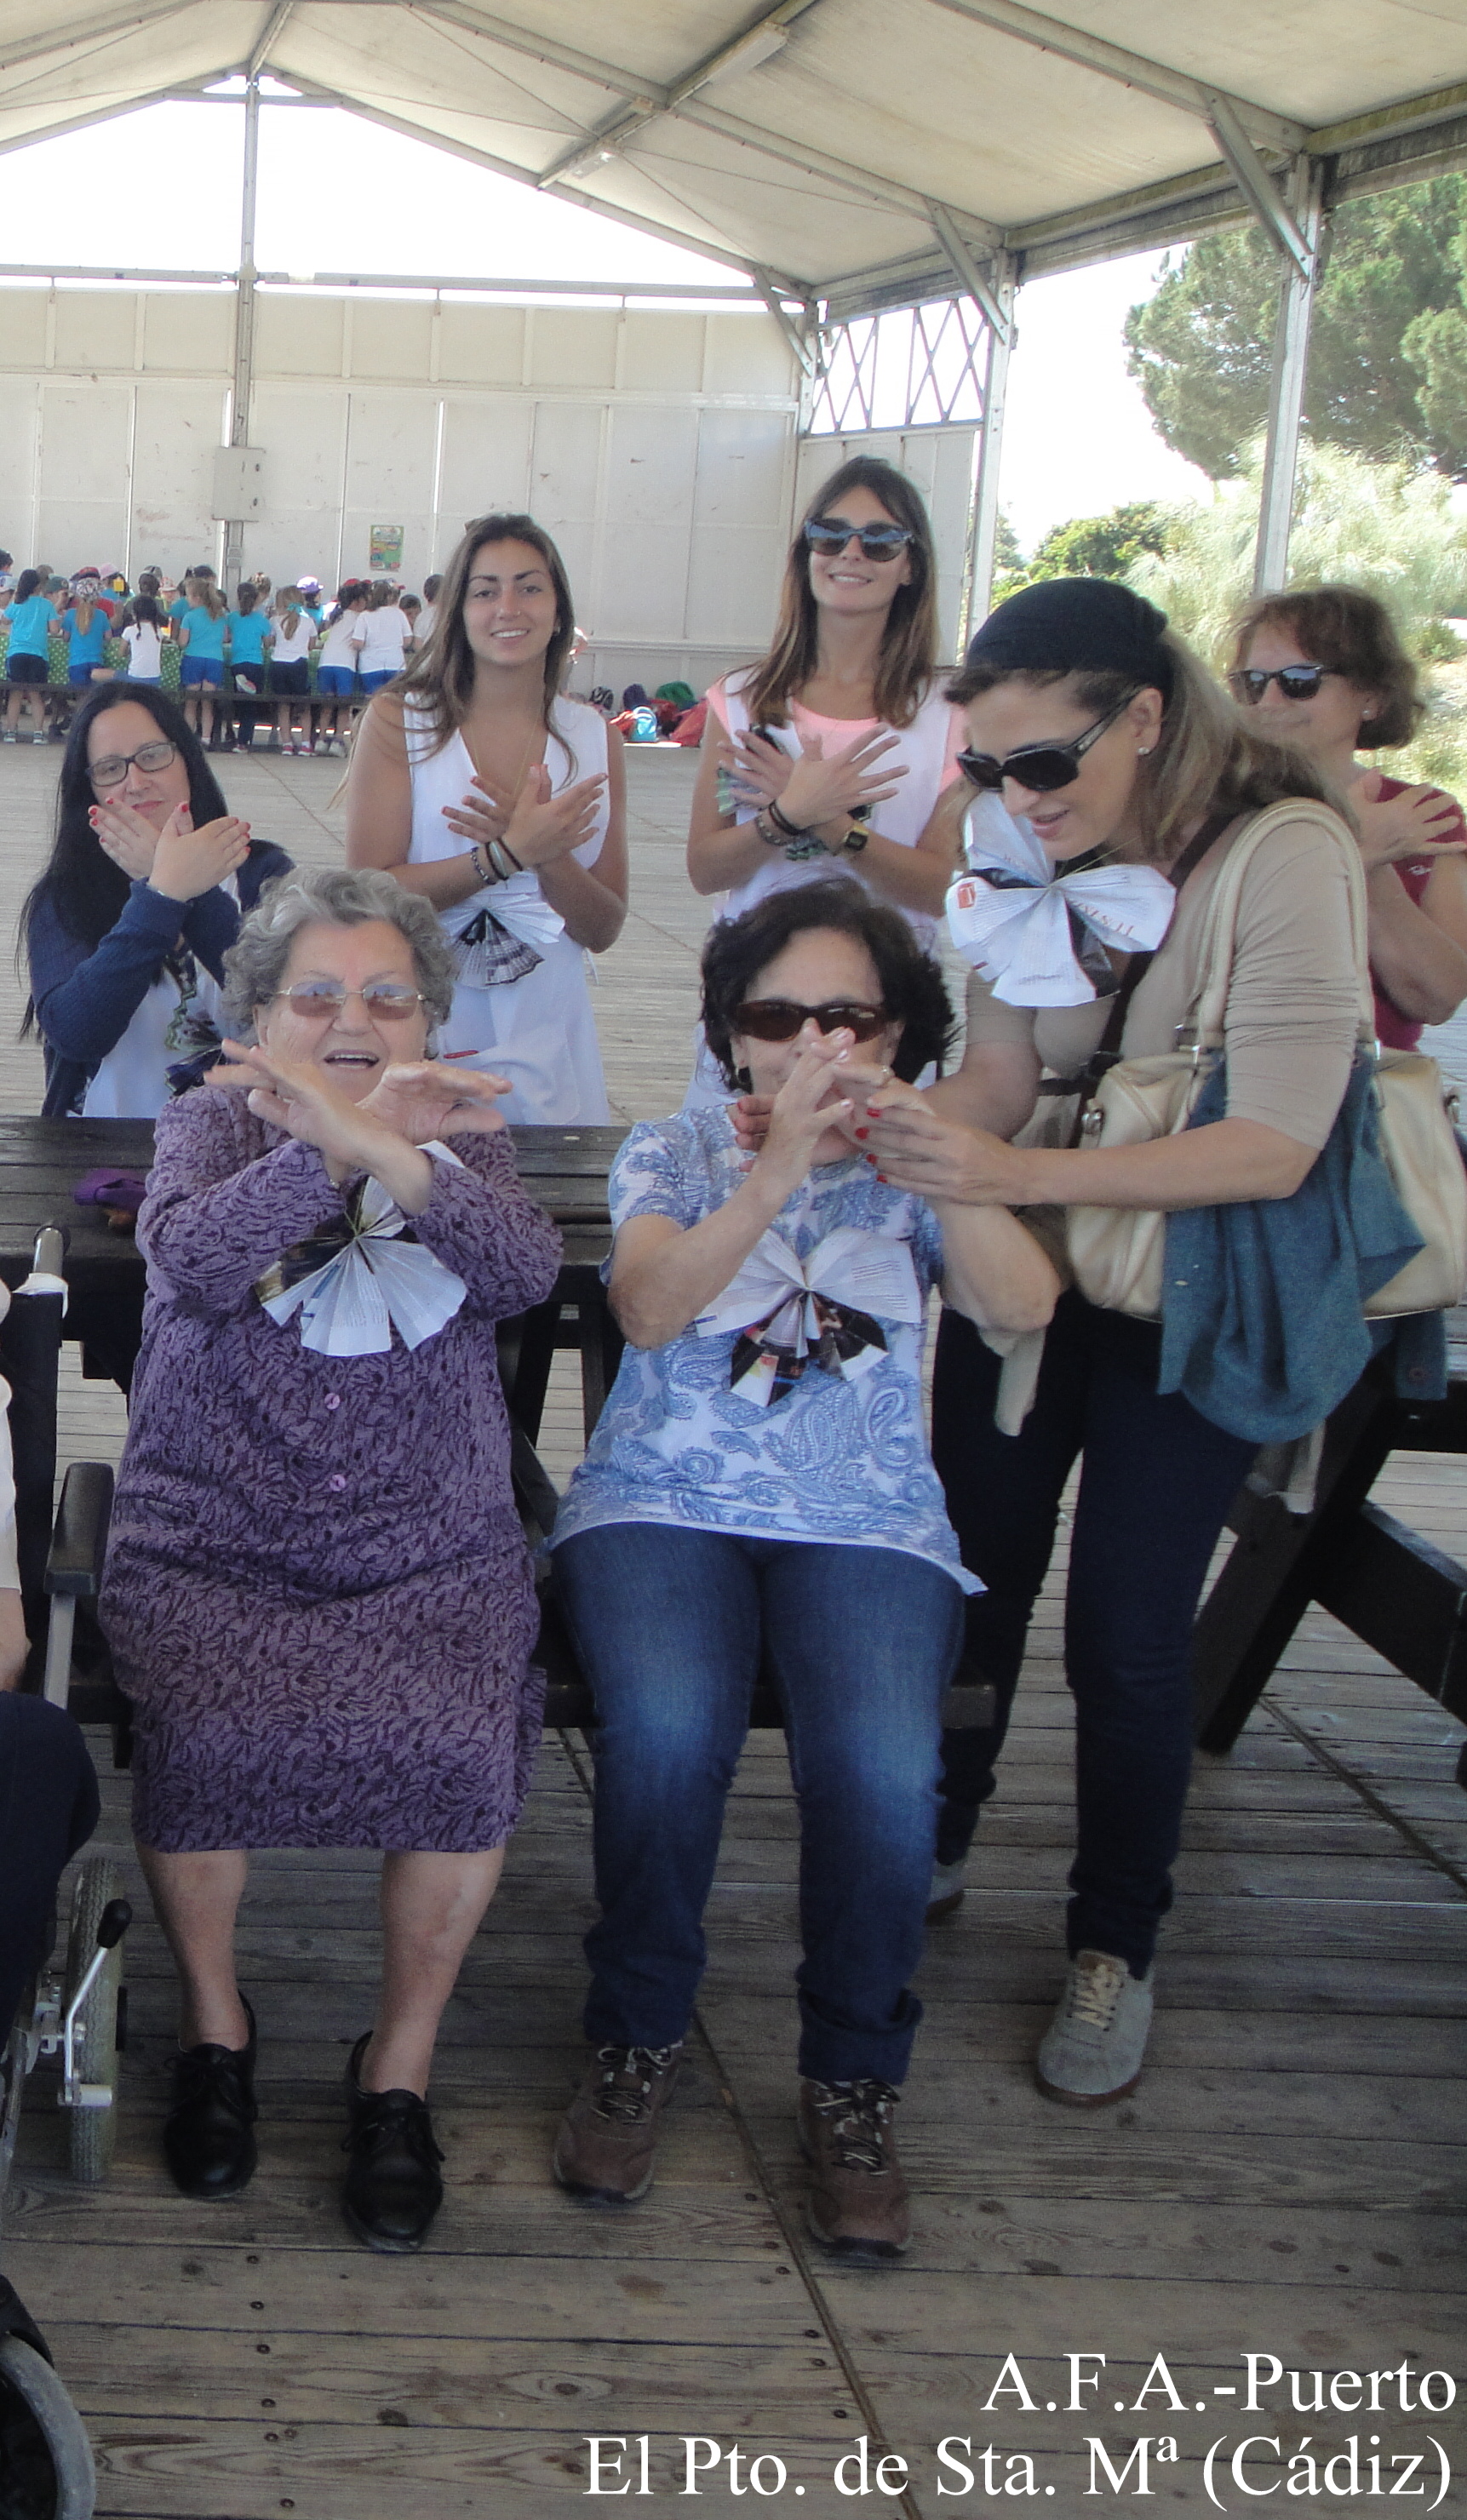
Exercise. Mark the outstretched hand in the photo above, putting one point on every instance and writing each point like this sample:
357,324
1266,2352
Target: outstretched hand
429,1099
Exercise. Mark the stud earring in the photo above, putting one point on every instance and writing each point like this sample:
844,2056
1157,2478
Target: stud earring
744,1080
1143,751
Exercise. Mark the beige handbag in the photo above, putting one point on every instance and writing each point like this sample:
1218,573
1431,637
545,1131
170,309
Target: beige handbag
1117,1253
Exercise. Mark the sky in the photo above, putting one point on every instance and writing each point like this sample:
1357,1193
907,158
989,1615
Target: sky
1078,436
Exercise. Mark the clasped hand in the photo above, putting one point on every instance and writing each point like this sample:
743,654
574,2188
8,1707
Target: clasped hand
178,862
1413,824
536,827
902,1135
819,788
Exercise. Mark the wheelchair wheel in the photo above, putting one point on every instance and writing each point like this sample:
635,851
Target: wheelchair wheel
93,2133
46,2466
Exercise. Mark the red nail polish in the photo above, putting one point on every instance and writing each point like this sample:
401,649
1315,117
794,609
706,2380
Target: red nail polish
862,1133
881,1177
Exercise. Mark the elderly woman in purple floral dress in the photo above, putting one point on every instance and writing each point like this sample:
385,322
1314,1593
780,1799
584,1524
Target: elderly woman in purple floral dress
317,1593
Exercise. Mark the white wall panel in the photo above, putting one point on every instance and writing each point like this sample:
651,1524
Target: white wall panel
390,453
303,432
650,479
176,436
656,446
83,489
740,524
484,462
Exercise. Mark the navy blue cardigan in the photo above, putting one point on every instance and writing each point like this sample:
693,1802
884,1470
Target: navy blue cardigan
84,1002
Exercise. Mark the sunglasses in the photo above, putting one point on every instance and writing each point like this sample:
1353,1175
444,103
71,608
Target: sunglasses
385,1001
832,534
780,1020
1296,682
1040,765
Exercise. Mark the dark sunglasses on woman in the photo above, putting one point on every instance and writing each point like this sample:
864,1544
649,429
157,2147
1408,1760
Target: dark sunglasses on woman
780,1020
1040,765
1296,682
831,534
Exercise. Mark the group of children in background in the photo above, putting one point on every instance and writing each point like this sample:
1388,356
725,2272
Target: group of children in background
237,667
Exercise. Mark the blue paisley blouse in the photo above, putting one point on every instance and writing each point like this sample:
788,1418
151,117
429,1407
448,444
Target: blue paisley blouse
836,1460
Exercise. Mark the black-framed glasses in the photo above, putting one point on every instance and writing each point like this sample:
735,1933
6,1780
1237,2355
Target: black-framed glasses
1295,682
112,768
385,1001
780,1018
1040,765
832,534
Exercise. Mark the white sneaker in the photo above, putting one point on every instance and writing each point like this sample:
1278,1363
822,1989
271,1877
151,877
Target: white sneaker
946,1896
1093,2049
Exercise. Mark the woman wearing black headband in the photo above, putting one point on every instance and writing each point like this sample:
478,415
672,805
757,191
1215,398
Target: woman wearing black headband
1094,724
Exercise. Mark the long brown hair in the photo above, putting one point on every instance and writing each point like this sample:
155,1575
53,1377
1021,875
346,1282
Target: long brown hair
1206,761
1352,634
439,679
909,642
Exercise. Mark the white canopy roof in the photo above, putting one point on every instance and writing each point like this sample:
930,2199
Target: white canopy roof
860,151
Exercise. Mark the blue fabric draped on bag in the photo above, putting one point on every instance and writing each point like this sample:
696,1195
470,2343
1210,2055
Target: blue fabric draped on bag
1261,1321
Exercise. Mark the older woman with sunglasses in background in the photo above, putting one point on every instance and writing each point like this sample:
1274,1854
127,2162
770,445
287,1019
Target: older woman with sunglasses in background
830,755
759,1483
317,1593
1127,766
1323,670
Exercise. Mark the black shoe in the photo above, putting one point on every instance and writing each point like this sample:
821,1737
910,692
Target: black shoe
392,2187
208,2138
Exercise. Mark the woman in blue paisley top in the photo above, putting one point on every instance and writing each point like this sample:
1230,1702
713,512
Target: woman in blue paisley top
759,1487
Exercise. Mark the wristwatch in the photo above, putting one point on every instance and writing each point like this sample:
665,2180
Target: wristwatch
855,839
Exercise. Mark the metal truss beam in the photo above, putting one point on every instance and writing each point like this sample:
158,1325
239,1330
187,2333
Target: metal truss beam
768,36
978,593
968,273
1290,354
1130,70
275,26
1258,189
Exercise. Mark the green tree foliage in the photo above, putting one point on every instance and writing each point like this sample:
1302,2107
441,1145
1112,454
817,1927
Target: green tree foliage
1381,527
1100,546
1387,352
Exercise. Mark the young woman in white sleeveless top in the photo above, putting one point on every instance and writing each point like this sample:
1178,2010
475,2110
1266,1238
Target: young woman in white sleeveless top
476,784
835,754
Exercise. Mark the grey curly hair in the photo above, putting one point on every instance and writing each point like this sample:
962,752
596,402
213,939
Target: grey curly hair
343,897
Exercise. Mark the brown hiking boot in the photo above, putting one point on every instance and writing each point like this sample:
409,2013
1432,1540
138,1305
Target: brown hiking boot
857,2203
608,2137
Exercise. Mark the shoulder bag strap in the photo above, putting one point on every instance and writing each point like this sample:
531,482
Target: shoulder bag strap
1204,1027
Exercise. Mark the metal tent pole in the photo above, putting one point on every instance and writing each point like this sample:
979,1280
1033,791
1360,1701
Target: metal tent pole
978,590
1291,353
244,322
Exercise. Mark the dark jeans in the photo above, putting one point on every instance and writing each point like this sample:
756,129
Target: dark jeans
1155,1485
667,1623
48,1808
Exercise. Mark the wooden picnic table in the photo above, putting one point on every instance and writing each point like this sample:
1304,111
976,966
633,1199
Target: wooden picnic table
565,1169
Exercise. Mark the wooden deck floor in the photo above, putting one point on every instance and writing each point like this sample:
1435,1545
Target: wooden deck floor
1287,2181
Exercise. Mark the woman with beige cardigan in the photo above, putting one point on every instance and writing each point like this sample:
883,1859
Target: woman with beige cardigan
1122,766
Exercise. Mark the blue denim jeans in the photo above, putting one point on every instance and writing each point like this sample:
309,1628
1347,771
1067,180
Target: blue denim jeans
1155,1489
668,1624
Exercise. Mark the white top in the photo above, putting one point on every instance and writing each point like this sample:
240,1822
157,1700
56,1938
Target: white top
292,651
427,620
538,1031
386,633
342,641
145,652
